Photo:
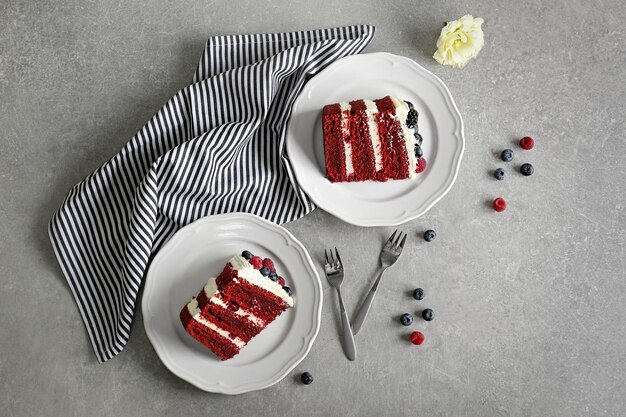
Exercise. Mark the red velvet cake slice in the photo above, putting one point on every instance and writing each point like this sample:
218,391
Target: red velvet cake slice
237,305
372,140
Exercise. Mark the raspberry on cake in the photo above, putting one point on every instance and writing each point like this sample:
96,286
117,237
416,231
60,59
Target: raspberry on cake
234,307
372,140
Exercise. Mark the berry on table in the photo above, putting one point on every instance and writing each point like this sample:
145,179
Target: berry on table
526,143
265,271
247,254
281,281
429,235
417,338
526,170
256,262
418,294
428,314
288,291
306,378
406,319
499,204
507,155
499,174
269,264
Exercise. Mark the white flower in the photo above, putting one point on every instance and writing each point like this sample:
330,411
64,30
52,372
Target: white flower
460,41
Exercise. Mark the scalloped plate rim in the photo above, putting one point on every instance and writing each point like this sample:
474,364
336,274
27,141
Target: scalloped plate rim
306,341
347,215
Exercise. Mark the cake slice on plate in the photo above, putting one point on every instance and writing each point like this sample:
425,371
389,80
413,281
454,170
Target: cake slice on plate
236,305
372,140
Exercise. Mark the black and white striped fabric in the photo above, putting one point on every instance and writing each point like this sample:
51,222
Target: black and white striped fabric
217,146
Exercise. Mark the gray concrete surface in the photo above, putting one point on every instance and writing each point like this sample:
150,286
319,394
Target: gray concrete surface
530,303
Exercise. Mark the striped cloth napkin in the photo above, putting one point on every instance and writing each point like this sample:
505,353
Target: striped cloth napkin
217,146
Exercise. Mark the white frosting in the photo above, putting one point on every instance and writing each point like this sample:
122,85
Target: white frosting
254,277
402,111
371,112
345,132
194,311
211,287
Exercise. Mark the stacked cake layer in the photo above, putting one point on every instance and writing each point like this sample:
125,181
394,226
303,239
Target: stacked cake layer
372,140
236,306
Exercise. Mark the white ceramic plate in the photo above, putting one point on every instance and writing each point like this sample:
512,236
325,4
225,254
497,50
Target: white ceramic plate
181,269
373,76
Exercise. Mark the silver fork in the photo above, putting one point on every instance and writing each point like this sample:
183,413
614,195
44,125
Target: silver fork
334,275
388,256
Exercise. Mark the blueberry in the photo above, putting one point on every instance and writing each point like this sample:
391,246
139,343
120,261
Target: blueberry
526,170
418,138
418,294
408,103
428,314
418,151
429,235
507,155
499,174
265,271
406,319
306,378
247,254
274,276
411,119
288,290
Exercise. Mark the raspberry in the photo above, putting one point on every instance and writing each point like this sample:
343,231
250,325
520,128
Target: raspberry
281,281
267,262
421,165
526,143
499,204
256,262
417,338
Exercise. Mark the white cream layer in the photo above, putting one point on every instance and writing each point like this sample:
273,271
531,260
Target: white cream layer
210,290
194,311
345,132
371,112
402,111
254,277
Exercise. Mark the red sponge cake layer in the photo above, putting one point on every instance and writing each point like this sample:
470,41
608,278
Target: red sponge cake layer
222,346
362,151
395,152
334,150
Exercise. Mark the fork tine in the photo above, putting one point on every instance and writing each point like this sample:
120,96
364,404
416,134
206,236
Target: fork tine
332,257
338,258
326,256
390,240
395,243
402,242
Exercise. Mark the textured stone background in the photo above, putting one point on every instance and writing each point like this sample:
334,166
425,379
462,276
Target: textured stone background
530,303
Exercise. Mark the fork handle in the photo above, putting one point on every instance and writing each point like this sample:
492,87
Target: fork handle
359,318
348,338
